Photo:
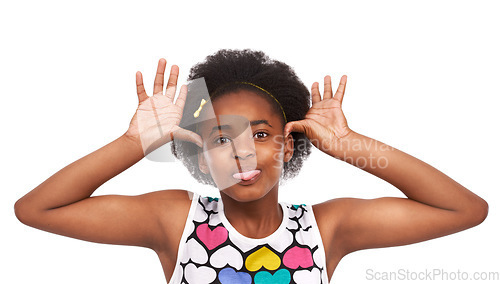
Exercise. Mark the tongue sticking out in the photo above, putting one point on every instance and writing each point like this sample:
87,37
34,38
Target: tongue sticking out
246,175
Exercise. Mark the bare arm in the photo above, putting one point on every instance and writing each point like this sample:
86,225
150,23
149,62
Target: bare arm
436,204
80,179
63,204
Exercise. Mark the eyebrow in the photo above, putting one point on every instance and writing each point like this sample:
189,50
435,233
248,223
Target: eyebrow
252,123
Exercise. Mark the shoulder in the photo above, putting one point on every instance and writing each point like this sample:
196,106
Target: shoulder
329,217
337,206
171,208
168,194
175,202
334,208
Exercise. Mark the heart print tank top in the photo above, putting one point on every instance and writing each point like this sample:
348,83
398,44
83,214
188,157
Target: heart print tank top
212,251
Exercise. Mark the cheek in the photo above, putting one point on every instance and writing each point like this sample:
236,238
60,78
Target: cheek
215,159
277,156
278,160
220,162
219,168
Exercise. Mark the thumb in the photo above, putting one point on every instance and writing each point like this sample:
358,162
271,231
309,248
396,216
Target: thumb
186,135
296,126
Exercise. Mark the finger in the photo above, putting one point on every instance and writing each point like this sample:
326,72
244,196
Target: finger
172,82
295,126
316,96
160,71
141,92
339,95
327,92
181,99
186,135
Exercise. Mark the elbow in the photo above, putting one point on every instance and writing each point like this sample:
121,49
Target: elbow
484,210
478,212
19,211
22,212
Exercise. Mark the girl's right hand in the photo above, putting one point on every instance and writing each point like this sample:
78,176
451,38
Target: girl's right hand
156,120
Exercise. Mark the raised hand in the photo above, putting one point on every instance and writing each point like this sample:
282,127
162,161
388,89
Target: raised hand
324,123
157,118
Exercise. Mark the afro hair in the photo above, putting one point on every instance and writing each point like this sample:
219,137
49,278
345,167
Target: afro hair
227,66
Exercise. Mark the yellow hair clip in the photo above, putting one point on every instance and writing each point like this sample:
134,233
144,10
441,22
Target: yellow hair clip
197,112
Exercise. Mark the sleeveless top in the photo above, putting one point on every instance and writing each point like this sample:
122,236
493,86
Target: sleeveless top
212,251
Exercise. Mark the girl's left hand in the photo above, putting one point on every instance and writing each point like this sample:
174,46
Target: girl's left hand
324,124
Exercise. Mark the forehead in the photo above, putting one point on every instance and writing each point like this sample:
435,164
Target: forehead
242,101
242,105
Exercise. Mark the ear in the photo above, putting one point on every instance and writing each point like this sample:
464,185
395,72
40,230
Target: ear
288,151
202,163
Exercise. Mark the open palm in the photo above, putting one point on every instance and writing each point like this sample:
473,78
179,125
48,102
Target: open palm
157,118
324,124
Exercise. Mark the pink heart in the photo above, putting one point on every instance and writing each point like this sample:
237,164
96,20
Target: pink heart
298,256
211,238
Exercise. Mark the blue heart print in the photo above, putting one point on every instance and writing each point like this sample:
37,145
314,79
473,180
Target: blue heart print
281,276
230,276
297,206
210,199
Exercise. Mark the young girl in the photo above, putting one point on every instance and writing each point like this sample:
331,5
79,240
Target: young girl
259,133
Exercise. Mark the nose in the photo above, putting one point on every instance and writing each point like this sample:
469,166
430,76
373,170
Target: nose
244,154
243,147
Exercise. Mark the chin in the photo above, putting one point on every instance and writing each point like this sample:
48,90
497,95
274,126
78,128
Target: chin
244,193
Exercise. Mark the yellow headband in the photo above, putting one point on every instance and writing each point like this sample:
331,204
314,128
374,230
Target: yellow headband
203,101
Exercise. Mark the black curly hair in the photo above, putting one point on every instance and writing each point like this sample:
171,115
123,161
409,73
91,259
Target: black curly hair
220,71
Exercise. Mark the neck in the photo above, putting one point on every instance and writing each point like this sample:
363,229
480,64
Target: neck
254,219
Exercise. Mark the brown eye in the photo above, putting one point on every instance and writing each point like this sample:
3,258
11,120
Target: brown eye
261,134
221,140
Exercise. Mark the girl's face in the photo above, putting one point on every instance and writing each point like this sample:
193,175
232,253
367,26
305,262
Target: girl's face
246,135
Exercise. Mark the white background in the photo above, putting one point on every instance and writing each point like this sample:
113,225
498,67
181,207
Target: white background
422,77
